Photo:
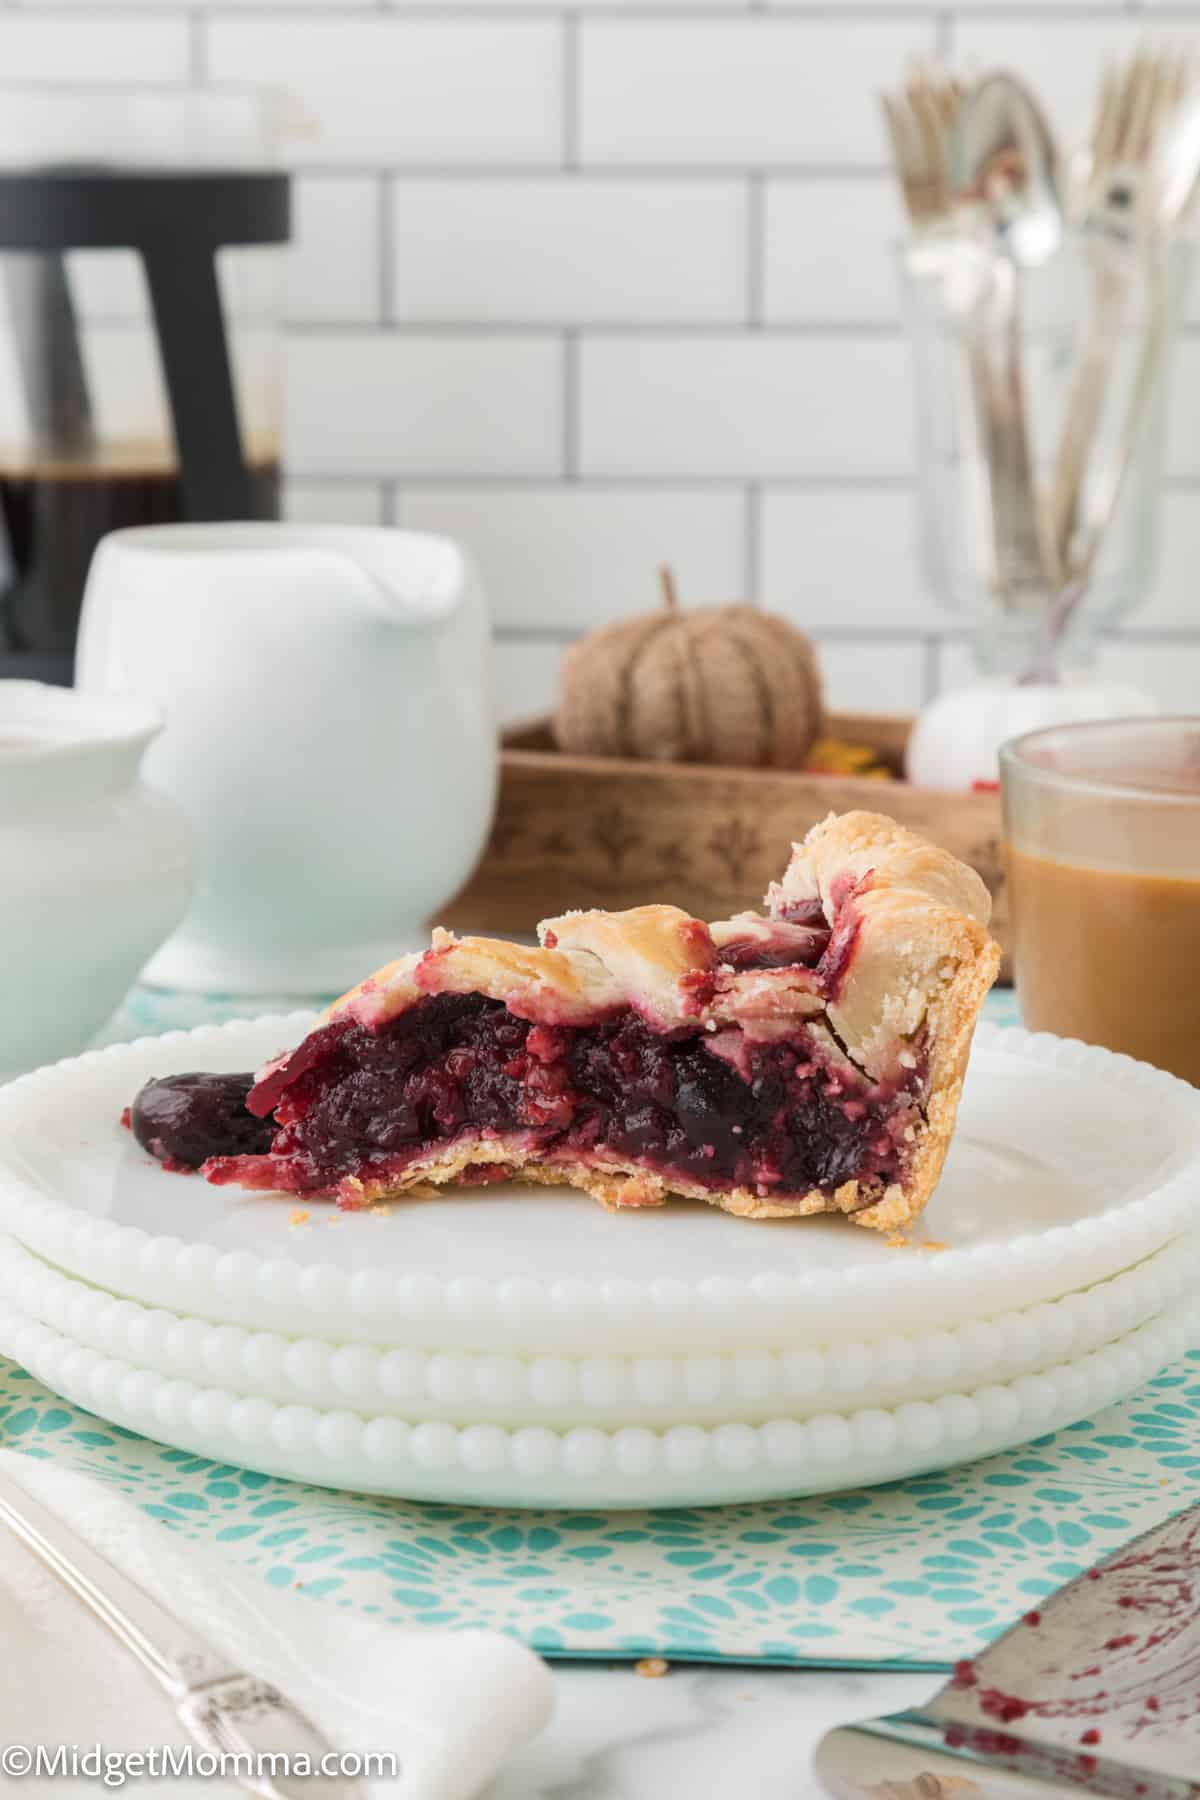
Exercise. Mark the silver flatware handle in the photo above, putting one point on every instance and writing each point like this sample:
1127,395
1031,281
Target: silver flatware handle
277,1754
176,1656
223,1708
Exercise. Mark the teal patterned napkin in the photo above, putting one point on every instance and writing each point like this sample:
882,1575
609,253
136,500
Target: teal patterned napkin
916,1574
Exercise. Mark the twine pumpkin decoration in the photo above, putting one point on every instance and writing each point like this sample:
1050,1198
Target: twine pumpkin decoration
715,684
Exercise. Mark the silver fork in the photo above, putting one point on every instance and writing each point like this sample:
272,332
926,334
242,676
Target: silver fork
223,1709
920,120
1134,109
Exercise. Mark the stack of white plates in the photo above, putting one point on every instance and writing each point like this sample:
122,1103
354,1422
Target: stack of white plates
517,1345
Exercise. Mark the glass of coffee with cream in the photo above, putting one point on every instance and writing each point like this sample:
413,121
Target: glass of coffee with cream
1102,823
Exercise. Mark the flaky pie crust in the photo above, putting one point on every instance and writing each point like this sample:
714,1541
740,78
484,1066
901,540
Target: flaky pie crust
920,966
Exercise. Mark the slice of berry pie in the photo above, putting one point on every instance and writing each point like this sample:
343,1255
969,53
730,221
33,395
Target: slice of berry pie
804,1060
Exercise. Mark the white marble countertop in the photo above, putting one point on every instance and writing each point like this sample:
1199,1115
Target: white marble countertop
694,1733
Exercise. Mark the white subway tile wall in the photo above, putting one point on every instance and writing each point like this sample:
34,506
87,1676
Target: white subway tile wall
834,558
594,554
595,250
874,675
373,402
597,284
828,249
526,678
335,502
759,404
747,90
401,91
104,46
334,272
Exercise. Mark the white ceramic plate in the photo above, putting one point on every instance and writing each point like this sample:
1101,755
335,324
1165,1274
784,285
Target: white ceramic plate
635,1466
1070,1164
562,1392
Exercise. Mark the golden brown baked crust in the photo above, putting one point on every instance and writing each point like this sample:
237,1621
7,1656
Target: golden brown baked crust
923,954
908,964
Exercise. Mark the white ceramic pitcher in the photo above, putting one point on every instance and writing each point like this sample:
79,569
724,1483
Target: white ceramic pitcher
330,734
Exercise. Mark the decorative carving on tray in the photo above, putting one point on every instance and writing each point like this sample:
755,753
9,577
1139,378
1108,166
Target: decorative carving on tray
505,831
736,844
672,857
613,830
578,831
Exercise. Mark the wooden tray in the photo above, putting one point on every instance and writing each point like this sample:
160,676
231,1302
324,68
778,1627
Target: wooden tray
598,831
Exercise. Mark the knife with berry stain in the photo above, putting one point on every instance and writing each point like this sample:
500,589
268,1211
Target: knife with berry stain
1097,1692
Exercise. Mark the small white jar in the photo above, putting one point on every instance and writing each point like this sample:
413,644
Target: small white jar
955,742
95,869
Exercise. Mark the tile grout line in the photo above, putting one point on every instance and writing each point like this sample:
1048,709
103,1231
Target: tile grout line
756,249
561,634
570,406
930,650
598,169
569,75
386,248
893,636
751,549
654,481
688,12
197,47
688,330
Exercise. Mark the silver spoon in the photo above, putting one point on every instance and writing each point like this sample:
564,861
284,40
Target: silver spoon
1005,163
1005,157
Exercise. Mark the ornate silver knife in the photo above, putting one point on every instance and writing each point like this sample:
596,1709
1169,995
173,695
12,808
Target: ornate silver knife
226,1711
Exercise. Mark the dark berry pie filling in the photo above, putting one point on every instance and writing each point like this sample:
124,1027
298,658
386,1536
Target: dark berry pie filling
806,1058
185,1119
714,1110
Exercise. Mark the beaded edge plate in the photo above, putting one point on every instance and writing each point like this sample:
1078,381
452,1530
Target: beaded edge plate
562,1392
1053,1183
687,1465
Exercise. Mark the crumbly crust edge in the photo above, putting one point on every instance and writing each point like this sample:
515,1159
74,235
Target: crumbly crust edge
616,1187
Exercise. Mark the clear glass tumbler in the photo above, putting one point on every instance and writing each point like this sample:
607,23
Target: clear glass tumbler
975,362
1102,823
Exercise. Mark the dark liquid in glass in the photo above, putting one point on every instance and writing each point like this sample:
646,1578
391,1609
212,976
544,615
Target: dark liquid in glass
52,518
